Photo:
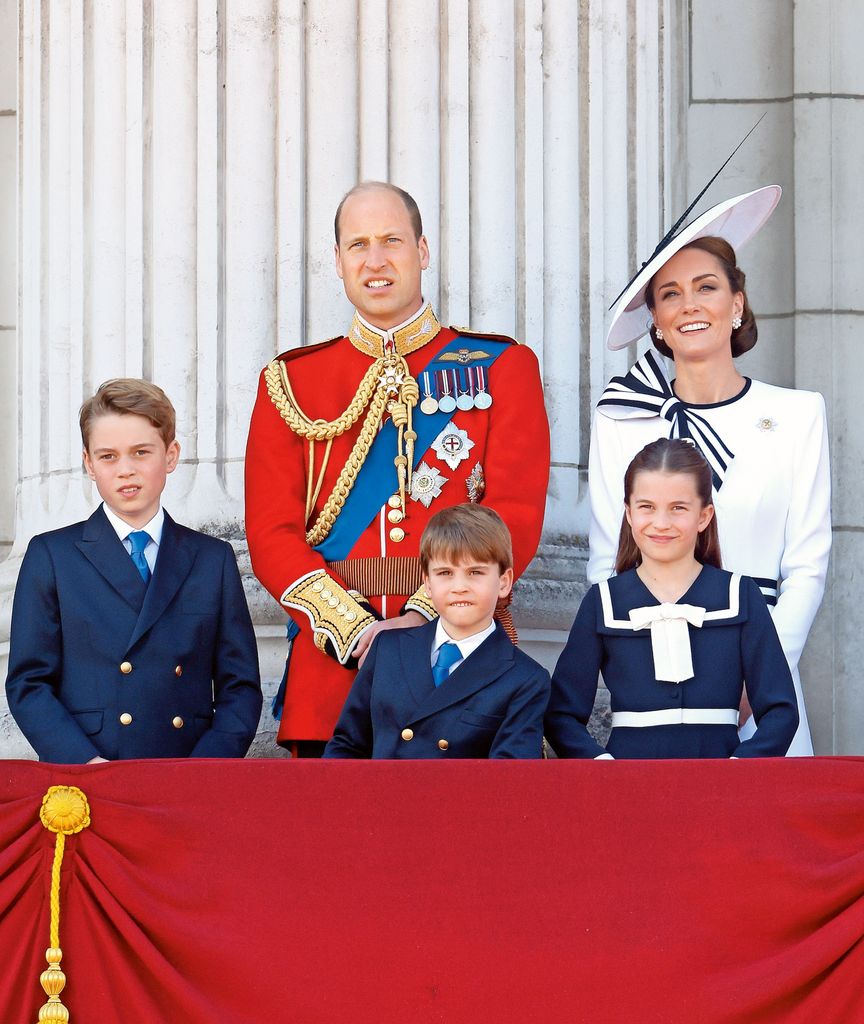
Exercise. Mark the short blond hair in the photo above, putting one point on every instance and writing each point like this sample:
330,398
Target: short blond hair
466,531
129,396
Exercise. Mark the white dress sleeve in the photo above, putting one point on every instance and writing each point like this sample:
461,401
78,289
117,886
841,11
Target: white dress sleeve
606,468
807,536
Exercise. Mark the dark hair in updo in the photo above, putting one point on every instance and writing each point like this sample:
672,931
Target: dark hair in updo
670,455
745,337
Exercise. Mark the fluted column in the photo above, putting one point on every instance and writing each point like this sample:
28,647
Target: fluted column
180,165
8,274
828,116
124,262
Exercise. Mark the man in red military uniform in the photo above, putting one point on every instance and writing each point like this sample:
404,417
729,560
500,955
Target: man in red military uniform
354,443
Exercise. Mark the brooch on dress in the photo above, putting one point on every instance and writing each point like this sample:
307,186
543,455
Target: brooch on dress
765,423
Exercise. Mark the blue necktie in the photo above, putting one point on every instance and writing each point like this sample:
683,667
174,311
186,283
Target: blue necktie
448,655
139,540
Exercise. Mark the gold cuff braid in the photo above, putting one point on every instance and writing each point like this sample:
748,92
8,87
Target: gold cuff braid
336,615
420,602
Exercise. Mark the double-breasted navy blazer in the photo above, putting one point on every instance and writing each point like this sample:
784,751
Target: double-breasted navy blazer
491,705
101,663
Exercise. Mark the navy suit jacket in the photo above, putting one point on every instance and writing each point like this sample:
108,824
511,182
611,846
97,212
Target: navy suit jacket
101,663
491,705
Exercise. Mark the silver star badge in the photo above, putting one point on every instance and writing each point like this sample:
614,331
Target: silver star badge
391,380
426,484
476,483
452,445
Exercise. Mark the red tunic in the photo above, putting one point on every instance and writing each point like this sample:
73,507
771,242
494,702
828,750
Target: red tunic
511,443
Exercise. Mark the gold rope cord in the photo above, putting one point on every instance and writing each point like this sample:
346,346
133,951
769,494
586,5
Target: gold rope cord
325,461
64,811
282,396
372,392
345,481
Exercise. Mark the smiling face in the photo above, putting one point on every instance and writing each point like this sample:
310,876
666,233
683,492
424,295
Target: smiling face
379,259
465,593
129,461
666,516
694,305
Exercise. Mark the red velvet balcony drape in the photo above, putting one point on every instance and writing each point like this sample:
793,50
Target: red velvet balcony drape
405,893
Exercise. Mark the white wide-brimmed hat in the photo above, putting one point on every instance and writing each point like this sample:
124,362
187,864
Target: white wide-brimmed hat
737,220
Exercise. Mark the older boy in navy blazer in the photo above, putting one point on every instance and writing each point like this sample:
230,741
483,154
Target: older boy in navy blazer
456,686
131,636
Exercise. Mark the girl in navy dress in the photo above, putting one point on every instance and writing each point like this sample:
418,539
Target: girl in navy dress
673,634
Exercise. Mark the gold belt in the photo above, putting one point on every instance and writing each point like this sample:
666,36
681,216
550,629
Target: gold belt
399,574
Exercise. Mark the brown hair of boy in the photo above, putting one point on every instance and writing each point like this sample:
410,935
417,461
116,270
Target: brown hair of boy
129,396
466,532
670,455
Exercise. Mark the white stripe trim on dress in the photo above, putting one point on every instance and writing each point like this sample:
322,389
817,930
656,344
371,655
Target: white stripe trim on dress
730,612
674,716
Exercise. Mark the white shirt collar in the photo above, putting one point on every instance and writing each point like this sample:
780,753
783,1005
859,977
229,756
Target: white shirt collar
123,529
466,646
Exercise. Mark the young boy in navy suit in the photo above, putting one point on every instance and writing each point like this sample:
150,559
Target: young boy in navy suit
131,636
456,686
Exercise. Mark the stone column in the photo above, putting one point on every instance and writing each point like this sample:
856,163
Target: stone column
805,268
126,249
599,118
8,271
828,117
180,165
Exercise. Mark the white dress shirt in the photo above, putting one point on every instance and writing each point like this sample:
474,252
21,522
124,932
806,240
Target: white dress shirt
466,646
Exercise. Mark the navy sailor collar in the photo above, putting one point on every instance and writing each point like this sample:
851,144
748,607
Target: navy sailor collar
717,591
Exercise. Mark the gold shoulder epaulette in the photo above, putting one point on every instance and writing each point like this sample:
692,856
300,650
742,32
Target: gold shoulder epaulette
301,350
467,332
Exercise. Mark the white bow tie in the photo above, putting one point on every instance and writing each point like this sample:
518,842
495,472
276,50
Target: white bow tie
670,637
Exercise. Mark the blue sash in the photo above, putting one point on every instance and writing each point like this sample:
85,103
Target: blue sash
374,483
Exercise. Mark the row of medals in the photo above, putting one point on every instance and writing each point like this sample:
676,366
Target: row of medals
466,398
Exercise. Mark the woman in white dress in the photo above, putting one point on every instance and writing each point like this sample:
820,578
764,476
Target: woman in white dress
767,446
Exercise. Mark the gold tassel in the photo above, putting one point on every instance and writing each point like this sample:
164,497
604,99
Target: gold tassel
64,811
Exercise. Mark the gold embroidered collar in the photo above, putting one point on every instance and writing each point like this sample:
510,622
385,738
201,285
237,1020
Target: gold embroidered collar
404,339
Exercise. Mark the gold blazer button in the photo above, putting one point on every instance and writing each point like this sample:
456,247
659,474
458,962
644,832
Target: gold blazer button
443,745
177,722
397,534
395,501
407,734
395,515
125,667
125,718
178,671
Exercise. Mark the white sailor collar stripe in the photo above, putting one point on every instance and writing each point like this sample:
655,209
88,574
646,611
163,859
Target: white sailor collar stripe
731,611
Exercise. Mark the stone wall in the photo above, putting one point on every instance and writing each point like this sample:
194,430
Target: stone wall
178,169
